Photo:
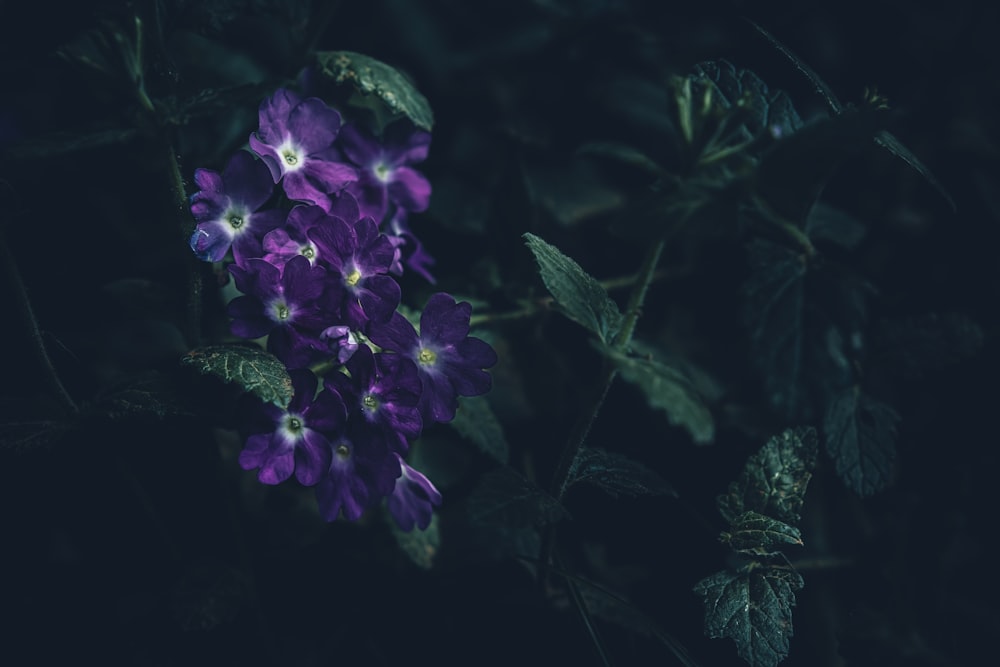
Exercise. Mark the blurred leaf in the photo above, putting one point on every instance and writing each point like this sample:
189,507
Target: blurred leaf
774,480
207,597
827,223
796,169
253,369
476,422
754,609
669,390
928,342
616,474
881,137
623,154
60,143
420,546
571,193
775,311
579,296
147,397
860,438
756,534
373,76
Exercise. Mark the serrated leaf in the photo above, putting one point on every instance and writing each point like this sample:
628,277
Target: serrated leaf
616,474
767,110
754,609
476,422
420,546
774,308
755,534
507,496
374,76
578,295
774,480
256,371
669,390
860,438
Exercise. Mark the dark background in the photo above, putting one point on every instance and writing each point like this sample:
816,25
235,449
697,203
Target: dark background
137,540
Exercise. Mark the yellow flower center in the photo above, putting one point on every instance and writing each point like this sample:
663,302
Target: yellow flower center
352,278
426,357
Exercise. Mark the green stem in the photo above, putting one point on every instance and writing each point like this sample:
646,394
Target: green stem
192,320
34,334
557,487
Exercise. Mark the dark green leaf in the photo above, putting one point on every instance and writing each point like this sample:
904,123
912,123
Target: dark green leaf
774,480
860,437
754,609
796,169
253,369
767,110
421,546
669,390
894,146
506,496
476,422
824,90
775,309
616,474
571,192
928,342
578,294
756,534
826,223
624,154
373,76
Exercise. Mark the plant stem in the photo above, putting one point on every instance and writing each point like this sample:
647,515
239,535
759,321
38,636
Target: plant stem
34,334
557,487
192,320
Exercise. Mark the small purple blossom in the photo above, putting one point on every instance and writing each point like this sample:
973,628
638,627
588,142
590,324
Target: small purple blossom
299,441
362,471
413,499
450,362
226,208
410,251
341,341
386,175
295,141
285,305
382,394
361,256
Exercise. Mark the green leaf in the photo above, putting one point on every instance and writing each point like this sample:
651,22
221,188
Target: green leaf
894,146
420,546
755,534
669,390
927,342
373,76
766,109
624,154
754,609
860,438
616,474
506,510
256,371
476,422
578,295
827,223
774,480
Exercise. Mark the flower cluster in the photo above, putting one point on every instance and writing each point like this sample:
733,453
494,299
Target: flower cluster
313,225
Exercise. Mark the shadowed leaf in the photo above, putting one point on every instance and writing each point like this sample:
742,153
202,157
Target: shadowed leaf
476,422
256,371
860,438
420,546
767,110
578,295
616,474
669,390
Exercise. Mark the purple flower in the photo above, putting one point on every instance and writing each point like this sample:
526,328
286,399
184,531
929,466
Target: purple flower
385,172
362,471
226,209
410,251
381,395
361,256
285,305
300,439
295,141
413,499
450,362
341,341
